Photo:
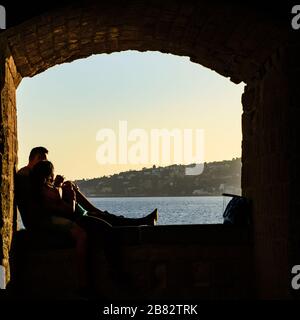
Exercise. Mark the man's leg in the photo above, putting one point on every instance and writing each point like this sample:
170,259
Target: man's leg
85,203
113,219
118,221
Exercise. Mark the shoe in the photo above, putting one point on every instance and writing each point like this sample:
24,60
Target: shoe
155,216
152,218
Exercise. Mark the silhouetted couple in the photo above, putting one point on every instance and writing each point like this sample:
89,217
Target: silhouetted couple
50,204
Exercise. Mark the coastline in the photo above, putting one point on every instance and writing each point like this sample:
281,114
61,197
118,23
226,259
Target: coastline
152,196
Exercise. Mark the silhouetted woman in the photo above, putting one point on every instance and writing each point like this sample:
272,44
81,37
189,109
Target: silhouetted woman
52,214
56,210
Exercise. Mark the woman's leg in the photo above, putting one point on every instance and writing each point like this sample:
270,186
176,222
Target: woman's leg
80,238
102,233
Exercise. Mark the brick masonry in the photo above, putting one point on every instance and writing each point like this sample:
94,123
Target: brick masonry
229,39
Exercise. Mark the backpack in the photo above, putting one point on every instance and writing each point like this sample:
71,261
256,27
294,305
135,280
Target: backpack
237,211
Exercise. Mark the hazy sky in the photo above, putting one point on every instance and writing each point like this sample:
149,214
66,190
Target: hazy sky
64,108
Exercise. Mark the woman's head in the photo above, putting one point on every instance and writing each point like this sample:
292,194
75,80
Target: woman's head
42,174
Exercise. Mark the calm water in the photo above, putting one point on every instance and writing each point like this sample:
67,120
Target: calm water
171,210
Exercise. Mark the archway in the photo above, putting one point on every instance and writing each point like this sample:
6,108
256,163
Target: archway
228,39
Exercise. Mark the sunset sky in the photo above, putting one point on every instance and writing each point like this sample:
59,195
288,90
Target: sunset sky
64,108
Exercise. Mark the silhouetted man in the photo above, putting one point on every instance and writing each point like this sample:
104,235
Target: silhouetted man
23,185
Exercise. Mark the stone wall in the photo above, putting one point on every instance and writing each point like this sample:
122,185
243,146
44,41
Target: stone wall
266,175
162,262
292,149
9,80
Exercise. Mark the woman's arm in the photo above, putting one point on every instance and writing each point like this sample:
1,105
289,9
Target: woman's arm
54,205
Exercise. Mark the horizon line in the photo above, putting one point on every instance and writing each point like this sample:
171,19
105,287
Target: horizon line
156,166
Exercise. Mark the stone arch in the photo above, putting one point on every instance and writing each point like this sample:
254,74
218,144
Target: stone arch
227,38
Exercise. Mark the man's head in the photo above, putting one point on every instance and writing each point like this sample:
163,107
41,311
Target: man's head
36,155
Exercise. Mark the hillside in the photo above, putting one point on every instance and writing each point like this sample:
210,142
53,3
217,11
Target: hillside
217,177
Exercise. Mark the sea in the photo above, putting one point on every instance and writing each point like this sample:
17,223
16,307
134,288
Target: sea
171,210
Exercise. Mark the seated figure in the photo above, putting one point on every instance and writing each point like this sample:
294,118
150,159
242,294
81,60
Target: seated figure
60,207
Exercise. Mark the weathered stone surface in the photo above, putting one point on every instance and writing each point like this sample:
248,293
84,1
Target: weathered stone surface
8,151
267,171
179,266
224,37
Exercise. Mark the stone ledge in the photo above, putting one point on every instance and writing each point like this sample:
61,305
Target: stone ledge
188,234
211,234
41,241
181,261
